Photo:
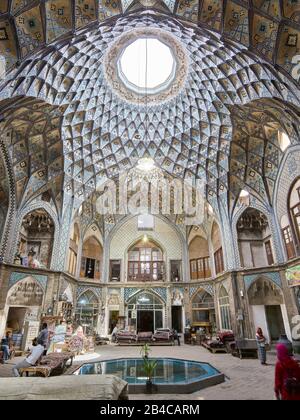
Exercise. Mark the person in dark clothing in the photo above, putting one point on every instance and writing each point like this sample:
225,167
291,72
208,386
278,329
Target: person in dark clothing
5,347
44,337
176,337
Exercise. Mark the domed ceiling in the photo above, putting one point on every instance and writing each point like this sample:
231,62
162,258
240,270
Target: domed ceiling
268,27
84,117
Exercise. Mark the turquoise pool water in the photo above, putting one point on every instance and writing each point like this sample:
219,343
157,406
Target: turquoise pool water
168,371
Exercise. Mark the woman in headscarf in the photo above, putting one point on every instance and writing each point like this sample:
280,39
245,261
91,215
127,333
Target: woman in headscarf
261,345
287,376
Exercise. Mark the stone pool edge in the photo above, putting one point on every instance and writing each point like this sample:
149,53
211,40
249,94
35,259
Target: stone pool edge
179,388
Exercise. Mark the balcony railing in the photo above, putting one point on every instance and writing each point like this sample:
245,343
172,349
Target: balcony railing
146,271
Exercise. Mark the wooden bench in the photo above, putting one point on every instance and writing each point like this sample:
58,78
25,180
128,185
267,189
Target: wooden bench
44,371
54,364
214,349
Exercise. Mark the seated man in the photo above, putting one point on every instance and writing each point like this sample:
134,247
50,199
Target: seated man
5,347
31,360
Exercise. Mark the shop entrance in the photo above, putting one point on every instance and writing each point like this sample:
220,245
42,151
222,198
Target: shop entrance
23,307
15,319
145,313
113,320
177,318
145,321
275,322
268,309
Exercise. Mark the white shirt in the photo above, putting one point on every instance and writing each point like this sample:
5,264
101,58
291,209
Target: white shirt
36,353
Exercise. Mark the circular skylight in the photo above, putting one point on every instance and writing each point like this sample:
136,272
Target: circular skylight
146,164
147,65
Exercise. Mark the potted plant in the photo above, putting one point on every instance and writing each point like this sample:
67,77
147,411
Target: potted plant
145,351
149,368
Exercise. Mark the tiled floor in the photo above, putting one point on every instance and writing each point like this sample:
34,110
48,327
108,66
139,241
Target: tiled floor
246,379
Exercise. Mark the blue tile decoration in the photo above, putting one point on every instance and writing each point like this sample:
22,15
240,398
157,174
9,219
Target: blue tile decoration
209,288
131,291
274,277
161,291
15,277
82,289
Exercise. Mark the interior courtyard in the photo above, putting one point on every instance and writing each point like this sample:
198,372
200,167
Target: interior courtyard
150,190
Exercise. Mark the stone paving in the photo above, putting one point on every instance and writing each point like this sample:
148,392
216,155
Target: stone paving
246,379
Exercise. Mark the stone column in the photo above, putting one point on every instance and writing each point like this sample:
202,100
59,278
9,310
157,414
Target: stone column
228,243
212,257
187,306
52,293
216,303
79,257
168,317
277,243
64,238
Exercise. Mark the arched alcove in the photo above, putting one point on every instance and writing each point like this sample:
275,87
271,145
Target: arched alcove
199,258
145,312
36,238
254,239
146,261
92,257
224,306
203,310
294,213
23,304
268,308
87,311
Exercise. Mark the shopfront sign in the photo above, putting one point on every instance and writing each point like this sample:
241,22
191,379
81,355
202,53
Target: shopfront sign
293,276
26,293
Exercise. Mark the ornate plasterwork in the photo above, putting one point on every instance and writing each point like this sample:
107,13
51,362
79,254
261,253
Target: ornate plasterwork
168,91
20,216
103,136
269,28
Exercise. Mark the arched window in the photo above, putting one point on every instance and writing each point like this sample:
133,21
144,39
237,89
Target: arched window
87,311
203,308
145,312
287,235
224,305
145,262
217,248
294,205
92,253
199,259
36,239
